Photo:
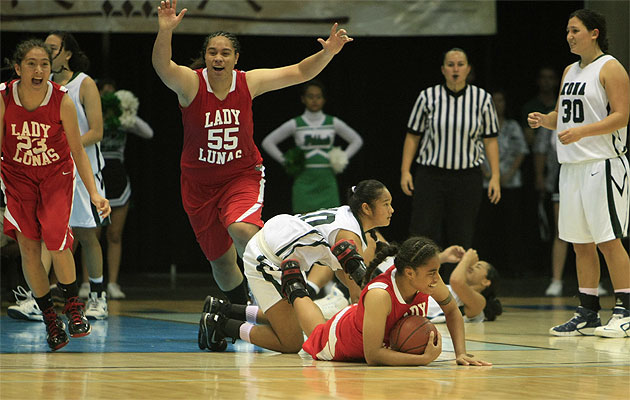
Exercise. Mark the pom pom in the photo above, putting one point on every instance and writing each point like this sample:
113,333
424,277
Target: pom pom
110,104
294,161
338,159
129,107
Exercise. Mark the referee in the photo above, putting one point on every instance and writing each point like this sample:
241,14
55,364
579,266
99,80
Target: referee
451,124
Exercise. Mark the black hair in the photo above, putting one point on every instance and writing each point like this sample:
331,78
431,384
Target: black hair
101,82
24,47
383,250
415,251
312,82
200,61
594,20
79,62
455,49
493,304
366,191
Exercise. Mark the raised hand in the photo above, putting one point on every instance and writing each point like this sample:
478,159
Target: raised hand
335,41
167,15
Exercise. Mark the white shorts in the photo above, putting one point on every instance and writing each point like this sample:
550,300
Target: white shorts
283,237
84,214
594,201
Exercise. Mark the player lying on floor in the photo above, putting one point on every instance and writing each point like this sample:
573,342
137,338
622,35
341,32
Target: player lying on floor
293,243
361,331
473,285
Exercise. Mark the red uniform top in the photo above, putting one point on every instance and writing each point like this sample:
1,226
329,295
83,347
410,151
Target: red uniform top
346,341
33,139
219,134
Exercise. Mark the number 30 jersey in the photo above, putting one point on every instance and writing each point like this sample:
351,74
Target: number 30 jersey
33,139
219,134
583,101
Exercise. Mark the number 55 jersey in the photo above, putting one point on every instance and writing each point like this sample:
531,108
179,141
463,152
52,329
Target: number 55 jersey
218,134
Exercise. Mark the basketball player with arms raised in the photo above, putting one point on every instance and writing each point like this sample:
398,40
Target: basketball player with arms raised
222,180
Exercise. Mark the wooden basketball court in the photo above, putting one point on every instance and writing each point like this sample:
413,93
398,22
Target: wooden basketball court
148,349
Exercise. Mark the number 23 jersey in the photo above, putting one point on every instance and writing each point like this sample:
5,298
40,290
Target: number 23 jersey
219,134
33,139
583,101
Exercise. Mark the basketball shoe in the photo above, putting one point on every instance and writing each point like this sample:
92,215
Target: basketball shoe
211,335
55,333
618,326
78,325
96,307
332,303
215,305
583,323
25,306
114,292
554,289
84,290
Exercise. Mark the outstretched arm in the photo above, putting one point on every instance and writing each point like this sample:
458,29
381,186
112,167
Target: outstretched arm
265,80
455,325
180,79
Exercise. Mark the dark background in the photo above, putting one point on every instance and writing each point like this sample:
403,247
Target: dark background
372,85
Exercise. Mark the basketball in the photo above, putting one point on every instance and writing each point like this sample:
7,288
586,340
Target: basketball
411,334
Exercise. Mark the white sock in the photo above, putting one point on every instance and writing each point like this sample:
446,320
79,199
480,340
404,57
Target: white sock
250,314
244,331
590,291
314,286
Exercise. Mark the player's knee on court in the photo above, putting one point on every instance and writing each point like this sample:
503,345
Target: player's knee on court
350,259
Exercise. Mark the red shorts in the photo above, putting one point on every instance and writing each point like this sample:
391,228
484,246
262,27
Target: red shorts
211,209
337,339
39,203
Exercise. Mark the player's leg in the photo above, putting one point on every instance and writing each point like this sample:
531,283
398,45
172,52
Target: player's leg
114,236
37,279
619,267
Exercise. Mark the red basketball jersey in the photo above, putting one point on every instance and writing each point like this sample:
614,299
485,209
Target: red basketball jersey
341,338
219,134
33,139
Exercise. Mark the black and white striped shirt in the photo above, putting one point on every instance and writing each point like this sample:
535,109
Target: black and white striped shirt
453,126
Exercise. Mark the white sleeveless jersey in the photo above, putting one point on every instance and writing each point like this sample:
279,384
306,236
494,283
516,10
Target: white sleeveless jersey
583,101
94,150
329,221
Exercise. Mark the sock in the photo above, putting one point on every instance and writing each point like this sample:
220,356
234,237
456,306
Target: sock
69,290
589,301
312,288
237,311
96,285
250,314
622,298
244,331
238,295
232,328
45,302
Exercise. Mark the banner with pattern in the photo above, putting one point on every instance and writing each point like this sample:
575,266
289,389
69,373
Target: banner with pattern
258,17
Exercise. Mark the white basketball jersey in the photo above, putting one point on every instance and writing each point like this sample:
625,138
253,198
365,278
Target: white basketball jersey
329,221
94,150
583,101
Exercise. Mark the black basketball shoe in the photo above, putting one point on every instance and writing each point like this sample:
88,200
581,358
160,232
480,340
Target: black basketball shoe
215,305
55,333
78,324
211,335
